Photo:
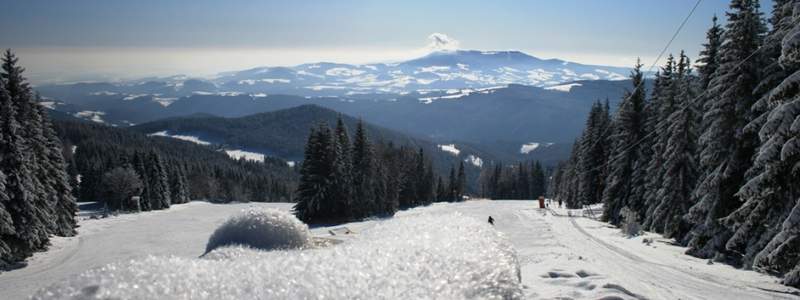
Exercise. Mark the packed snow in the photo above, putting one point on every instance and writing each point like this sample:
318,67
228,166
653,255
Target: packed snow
446,250
451,148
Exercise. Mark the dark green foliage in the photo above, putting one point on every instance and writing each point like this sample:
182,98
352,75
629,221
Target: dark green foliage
623,157
208,174
340,182
521,181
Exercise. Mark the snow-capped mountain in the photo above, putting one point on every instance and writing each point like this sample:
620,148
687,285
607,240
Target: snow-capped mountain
435,71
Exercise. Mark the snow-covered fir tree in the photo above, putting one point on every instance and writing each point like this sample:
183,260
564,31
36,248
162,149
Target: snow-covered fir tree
679,171
766,224
593,155
725,152
341,189
158,182
628,124
36,196
658,109
363,174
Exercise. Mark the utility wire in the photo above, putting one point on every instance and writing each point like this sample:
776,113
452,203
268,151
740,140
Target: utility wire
658,58
688,104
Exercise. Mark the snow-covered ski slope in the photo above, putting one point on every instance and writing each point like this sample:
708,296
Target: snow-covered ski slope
559,255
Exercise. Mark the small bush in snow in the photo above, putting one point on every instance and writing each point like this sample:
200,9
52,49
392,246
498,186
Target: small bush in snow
630,222
264,229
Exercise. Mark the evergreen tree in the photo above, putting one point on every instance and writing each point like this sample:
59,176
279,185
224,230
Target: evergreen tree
765,224
592,156
452,186
178,189
341,188
158,184
313,178
30,231
708,63
426,184
461,183
59,185
538,180
363,174
139,166
679,162
6,224
725,150
32,139
652,151
441,190
623,155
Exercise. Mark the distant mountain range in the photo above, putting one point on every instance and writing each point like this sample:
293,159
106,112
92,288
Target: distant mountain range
497,101
436,71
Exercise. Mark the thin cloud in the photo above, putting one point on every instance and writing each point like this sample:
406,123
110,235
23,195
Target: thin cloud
440,41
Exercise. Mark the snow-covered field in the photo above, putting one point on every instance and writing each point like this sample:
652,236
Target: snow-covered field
559,256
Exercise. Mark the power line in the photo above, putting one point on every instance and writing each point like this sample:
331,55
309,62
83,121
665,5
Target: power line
658,58
687,105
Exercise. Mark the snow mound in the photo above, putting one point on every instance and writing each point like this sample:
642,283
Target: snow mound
442,256
265,229
563,88
451,148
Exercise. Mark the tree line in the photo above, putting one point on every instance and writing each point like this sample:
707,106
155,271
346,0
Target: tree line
342,180
36,198
520,181
709,159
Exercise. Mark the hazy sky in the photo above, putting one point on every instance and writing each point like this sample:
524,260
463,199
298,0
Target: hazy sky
82,39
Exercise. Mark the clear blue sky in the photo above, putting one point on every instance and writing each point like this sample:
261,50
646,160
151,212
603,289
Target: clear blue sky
67,33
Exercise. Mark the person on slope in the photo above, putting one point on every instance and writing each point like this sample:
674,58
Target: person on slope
491,220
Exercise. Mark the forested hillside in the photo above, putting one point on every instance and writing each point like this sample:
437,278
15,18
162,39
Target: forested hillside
284,133
711,157
208,174
344,179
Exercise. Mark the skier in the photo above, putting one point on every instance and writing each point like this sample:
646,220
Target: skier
559,203
491,220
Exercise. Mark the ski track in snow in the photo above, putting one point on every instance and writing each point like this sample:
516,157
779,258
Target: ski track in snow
561,256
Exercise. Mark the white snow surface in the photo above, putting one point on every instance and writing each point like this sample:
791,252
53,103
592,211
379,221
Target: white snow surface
561,255
232,153
564,87
530,147
264,229
94,116
474,160
450,148
247,155
189,138
527,148
401,258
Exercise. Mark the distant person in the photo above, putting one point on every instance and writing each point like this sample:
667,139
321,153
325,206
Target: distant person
559,203
491,220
